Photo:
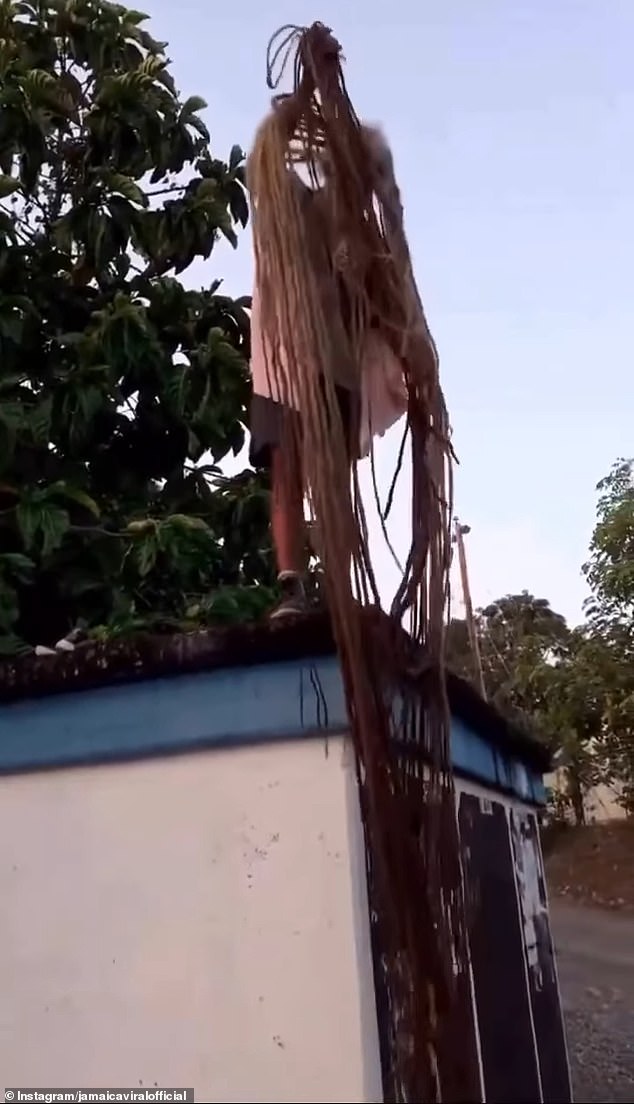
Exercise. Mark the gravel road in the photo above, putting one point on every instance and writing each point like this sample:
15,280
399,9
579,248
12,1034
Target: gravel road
595,959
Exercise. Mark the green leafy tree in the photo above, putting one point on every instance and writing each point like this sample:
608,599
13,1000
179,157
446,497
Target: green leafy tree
610,568
540,674
575,688
458,649
610,573
572,715
519,636
120,390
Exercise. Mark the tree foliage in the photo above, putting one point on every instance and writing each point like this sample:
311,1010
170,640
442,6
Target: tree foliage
610,568
519,636
573,687
610,573
120,390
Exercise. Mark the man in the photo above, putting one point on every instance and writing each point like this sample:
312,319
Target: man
369,388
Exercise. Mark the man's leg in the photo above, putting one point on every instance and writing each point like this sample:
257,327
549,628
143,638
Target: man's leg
288,526
287,512
288,530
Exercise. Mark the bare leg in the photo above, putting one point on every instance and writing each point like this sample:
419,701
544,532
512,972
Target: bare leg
287,513
289,532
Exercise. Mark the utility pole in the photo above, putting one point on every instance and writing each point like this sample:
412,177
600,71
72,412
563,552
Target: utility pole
459,533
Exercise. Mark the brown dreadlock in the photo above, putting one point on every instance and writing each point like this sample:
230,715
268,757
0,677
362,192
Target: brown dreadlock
417,873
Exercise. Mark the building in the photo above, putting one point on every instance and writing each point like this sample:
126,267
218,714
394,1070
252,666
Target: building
183,878
601,803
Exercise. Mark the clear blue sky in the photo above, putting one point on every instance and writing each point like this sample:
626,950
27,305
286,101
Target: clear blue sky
511,123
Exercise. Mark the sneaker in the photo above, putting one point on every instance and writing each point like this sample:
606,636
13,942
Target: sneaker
294,601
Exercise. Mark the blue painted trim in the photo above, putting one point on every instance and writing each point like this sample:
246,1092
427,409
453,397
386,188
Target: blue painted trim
227,706
278,701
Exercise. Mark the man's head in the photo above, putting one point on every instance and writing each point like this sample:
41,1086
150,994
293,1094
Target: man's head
319,48
317,59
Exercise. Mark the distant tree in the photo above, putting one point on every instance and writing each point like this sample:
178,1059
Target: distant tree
120,390
538,673
518,634
575,688
572,714
610,573
610,568
458,649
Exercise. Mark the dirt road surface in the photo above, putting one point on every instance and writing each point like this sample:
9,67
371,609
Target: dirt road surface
595,960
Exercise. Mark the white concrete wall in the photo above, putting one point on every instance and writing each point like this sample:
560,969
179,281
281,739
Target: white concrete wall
197,920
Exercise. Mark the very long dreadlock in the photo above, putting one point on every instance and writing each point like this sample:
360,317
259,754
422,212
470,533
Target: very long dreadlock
416,869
